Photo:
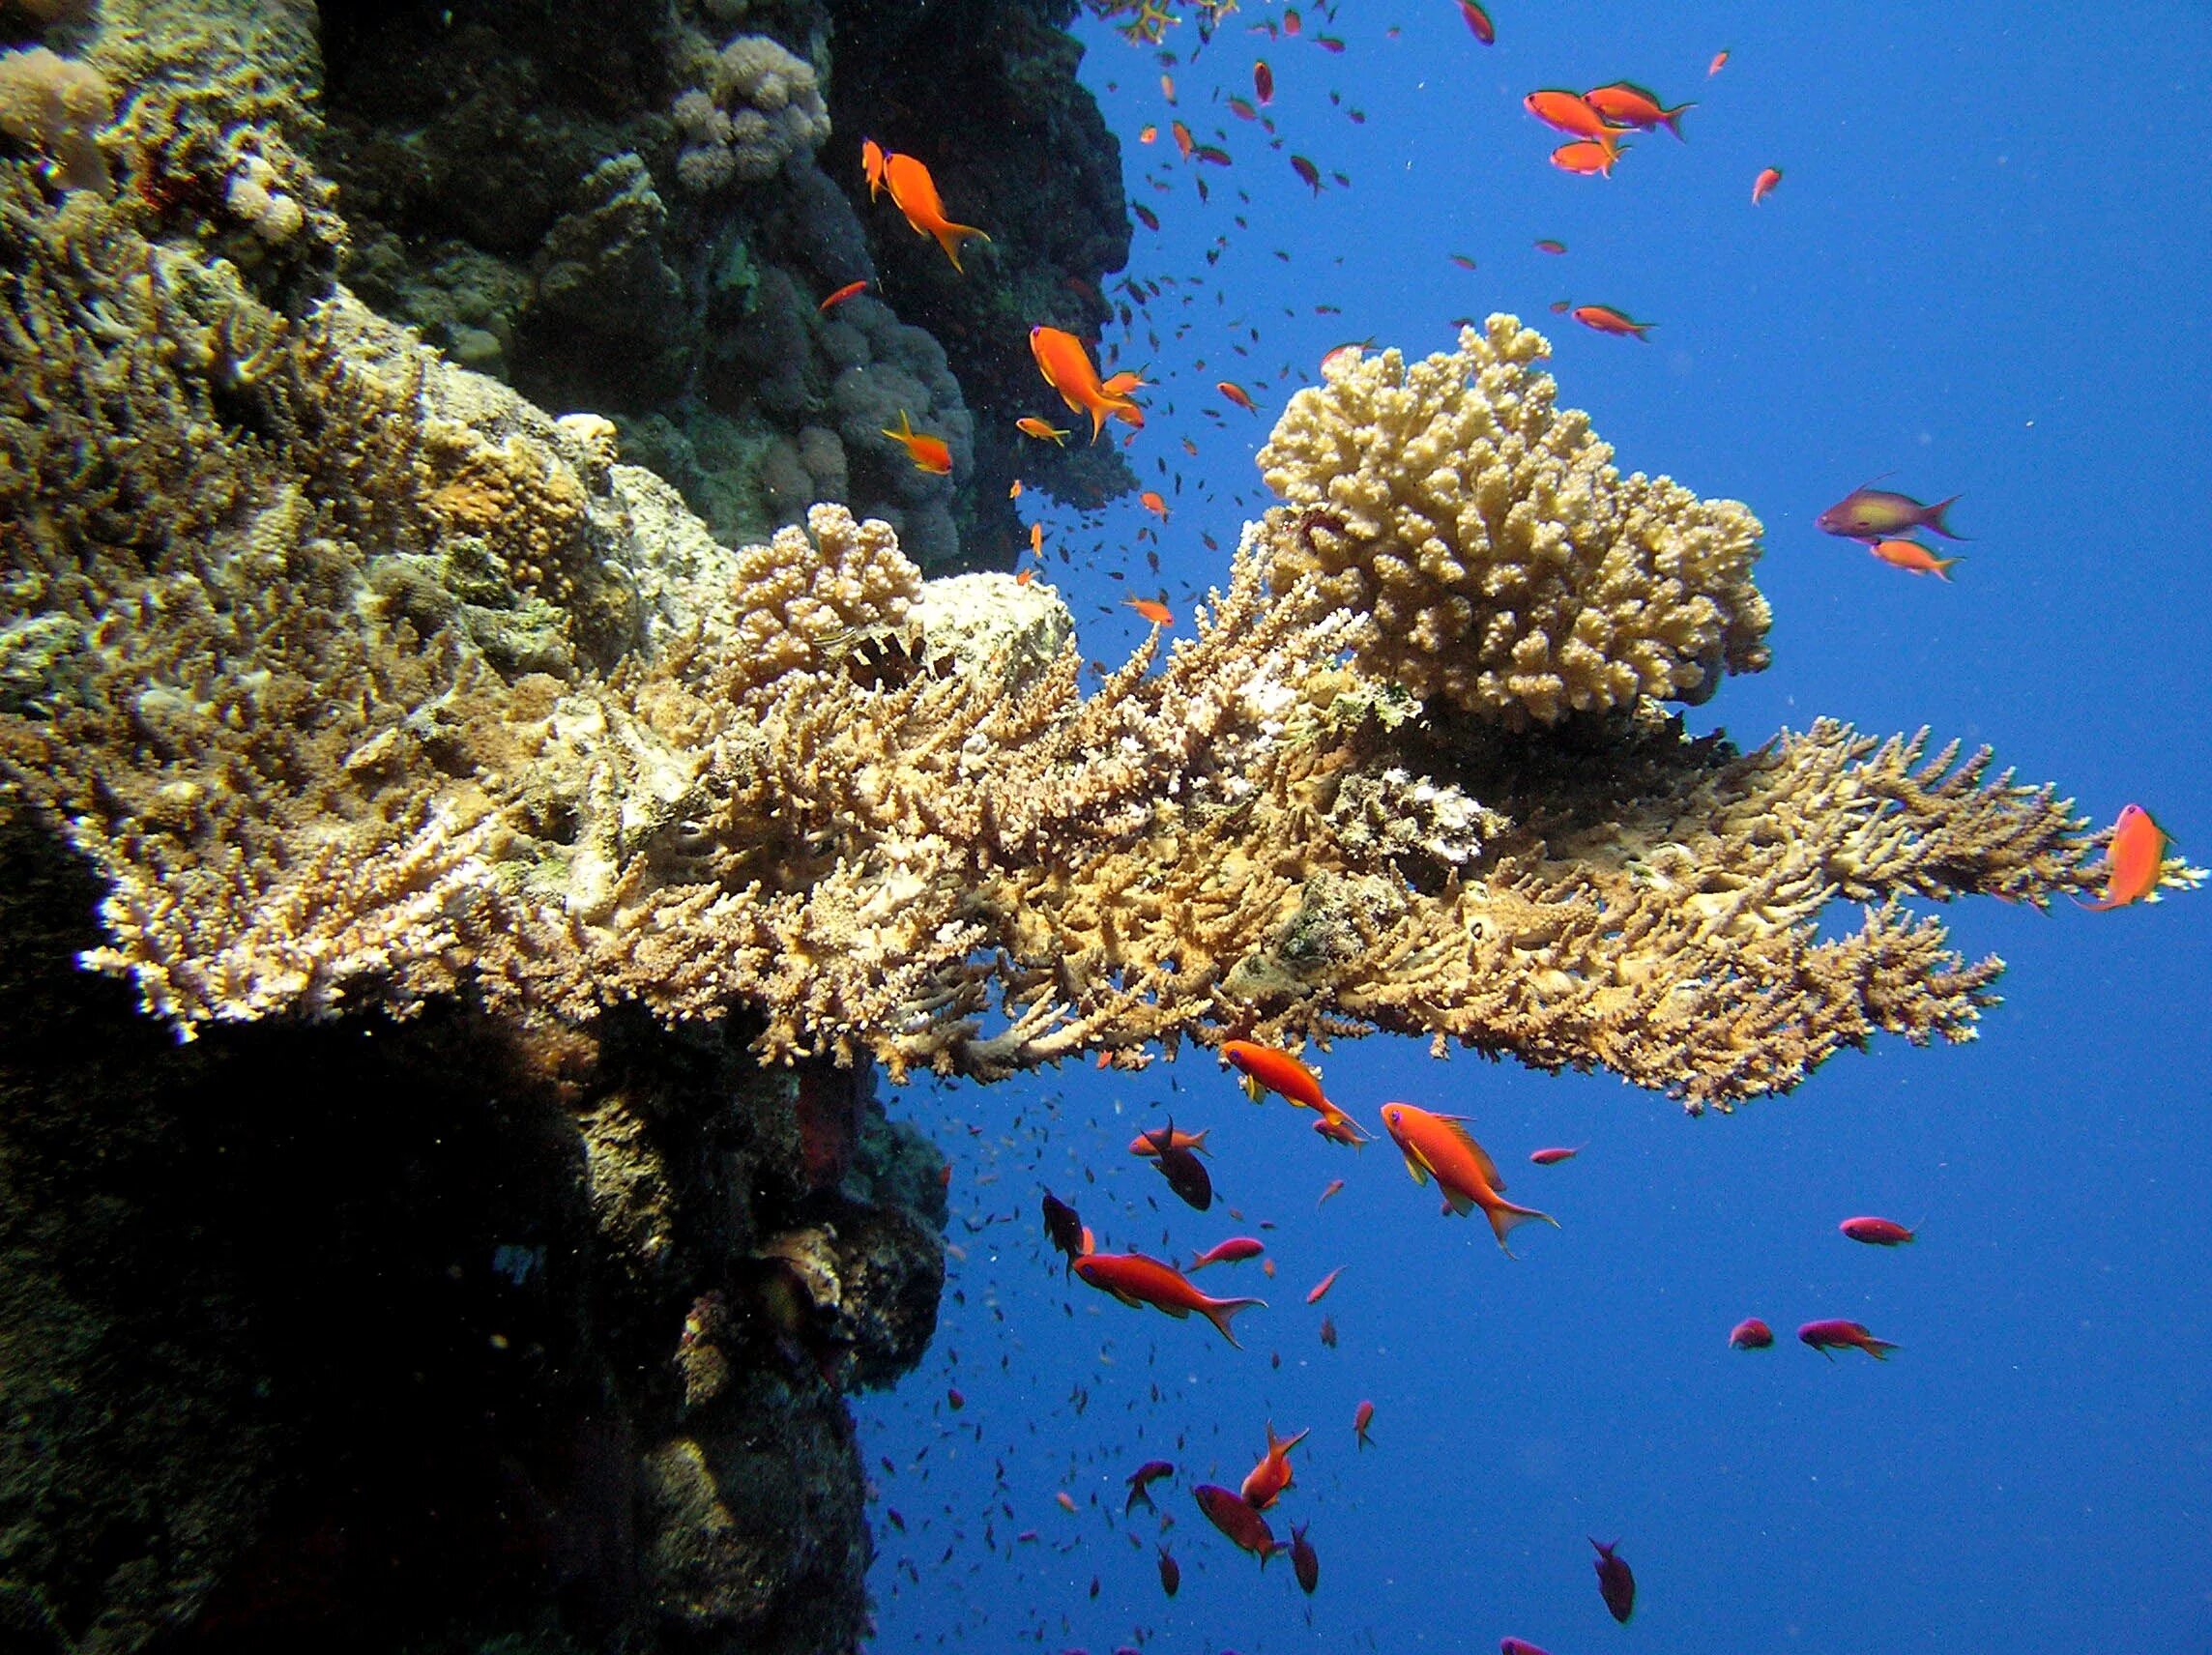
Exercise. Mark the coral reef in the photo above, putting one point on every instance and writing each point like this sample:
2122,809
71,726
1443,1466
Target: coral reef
57,105
1509,568
760,107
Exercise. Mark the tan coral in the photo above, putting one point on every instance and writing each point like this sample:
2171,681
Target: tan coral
1508,566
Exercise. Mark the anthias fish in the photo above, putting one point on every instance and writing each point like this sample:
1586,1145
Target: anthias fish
1625,104
1064,1230
2134,862
1614,1581
1837,1334
1750,1334
1305,1564
1141,1481
1439,1147
1234,1251
1764,184
1142,1144
1877,1231
1265,1483
929,453
1136,1280
1266,1069
914,193
1185,1171
1363,1416
1067,367
1245,1527
1915,558
1880,514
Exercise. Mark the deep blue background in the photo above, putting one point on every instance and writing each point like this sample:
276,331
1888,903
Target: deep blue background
1983,270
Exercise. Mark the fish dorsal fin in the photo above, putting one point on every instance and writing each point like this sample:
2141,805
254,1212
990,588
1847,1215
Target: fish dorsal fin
1456,1125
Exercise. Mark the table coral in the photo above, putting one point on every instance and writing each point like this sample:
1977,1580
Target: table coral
1509,568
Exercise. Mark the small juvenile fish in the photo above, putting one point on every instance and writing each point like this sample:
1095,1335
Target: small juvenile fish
1548,245
1147,134
1153,610
1714,67
1243,110
1615,1583
954,1399
1605,319
2134,862
1827,1337
929,453
1306,170
1750,1334
1764,184
1303,1560
1462,261
1343,356
1478,21
1262,83
1582,157
1066,1501
1877,1231
850,289
1036,539
1329,1331
1153,503
1235,394
1212,155
1144,215
1361,1417
1140,1483
1167,87
1234,1251
1184,143
1029,426
1552,1158
1878,514
1291,23
1322,1287
1334,1184
1171,1573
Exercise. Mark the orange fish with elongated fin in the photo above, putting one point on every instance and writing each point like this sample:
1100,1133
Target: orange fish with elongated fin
1266,1069
1068,369
929,453
1136,1280
1439,1146
1029,426
914,193
1265,1483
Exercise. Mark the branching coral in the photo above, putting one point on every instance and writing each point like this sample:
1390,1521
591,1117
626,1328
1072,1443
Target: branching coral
246,666
1508,568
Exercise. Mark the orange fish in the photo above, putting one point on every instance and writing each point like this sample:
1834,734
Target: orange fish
1912,556
1571,114
1235,394
872,163
1361,1417
2135,860
1339,1127
1136,1280
1183,141
1479,21
1265,1069
1714,67
1267,1480
1334,1187
1036,539
1582,158
1066,1501
848,291
1157,613
1627,104
1068,369
1234,1251
1344,356
1320,1289
1147,134
1764,184
1031,427
1148,1142
928,453
1153,503
915,193
1439,1147
1122,382
1291,21
1243,110
1025,576
1167,87
1014,489
1605,319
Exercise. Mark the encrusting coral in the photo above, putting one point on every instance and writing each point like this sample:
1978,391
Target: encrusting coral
265,626
1510,569
762,103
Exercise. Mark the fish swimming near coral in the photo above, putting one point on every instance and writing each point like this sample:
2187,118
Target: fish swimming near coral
1138,1281
1029,426
1439,1146
914,193
1067,367
1143,1145
1605,319
1266,1069
2135,860
1914,558
1879,513
1185,1171
929,453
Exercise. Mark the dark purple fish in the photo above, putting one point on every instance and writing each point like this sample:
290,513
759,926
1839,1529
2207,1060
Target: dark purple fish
1615,1583
1518,1646
1140,1481
1064,1228
1226,1510
1878,515
1185,1171
1171,1573
1303,1560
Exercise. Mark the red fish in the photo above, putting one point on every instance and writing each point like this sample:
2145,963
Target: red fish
928,453
1750,1334
1066,1501
1915,558
1304,1562
1873,515
1615,1583
1438,1147
1140,1483
1877,1231
1627,104
1067,367
1582,157
1714,67
1552,1158
1235,394
914,193
1234,1251
1171,1573
1142,1142
1605,319
1571,114
1136,1280
1837,1334
1184,143
1147,134
1153,610
1764,184
1322,1288
1266,1482
1264,83
1548,245
849,290
1212,155
1478,21
1343,356
1291,21
1339,1127
1363,1416
1462,261
1244,1527
2134,862
1265,1069
1518,1646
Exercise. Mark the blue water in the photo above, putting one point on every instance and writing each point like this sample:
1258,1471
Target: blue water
1982,272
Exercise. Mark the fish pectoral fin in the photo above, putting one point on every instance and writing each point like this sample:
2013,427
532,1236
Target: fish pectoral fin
1416,1167
1459,1200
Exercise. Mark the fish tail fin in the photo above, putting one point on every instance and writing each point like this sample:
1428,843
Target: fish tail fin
1943,567
1506,1218
1673,118
1643,329
1933,519
1878,1348
950,236
1222,1309
1097,420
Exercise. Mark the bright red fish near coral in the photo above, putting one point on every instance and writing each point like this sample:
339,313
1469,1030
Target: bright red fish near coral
1265,1483
1237,394
2134,862
1478,21
1764,184
1614,1583
1625,104
1571,114
1136,1280
914,193
1339,1127
1439,1146
928,453
1750,1334
1234,1251
1605,319
1837,1334
1266,1069
1582,157
1227,1511
1877,1231
1363,1416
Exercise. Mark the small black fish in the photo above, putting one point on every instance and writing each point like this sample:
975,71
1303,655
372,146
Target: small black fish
1185,1174
1171,1572
1615,1583
1140,1481
1065,1229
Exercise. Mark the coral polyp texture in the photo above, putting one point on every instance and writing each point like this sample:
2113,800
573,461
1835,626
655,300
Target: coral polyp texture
361,682
761,104
1508,568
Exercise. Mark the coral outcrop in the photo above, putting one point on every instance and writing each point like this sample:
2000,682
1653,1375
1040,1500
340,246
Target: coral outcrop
1510,569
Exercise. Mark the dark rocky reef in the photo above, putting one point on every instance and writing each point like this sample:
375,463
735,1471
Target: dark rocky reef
374,1336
